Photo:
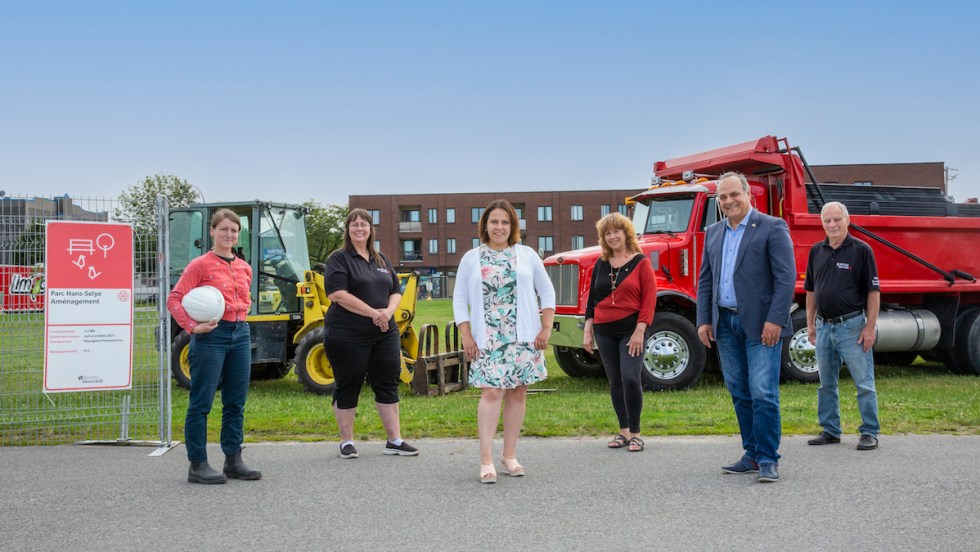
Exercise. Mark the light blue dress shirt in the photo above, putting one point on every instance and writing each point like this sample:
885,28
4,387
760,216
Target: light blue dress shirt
729,252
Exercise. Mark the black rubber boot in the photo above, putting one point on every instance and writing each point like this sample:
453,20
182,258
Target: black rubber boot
201,472
236,469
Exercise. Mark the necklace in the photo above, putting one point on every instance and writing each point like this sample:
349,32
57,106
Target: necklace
613,279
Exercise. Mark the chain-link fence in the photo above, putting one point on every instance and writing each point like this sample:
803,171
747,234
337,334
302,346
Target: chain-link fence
28,416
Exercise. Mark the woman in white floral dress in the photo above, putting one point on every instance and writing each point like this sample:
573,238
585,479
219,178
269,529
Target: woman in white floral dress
504,329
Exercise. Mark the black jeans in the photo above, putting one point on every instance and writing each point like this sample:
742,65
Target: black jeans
623,372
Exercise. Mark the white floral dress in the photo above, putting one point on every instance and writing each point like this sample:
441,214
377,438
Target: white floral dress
505,362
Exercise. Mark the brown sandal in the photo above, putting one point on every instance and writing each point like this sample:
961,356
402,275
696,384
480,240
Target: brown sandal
636,445
618,441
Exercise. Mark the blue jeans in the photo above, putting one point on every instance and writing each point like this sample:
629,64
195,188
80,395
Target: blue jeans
220,357
751,372
836,343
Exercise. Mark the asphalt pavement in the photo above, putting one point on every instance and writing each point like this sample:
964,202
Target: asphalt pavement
917,492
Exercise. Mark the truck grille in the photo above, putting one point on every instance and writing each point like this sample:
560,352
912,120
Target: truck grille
565,279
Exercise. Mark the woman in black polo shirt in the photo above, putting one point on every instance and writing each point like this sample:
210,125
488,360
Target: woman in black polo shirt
360,335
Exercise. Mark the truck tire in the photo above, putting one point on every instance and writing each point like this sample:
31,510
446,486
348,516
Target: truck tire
674,357
312,367
951,357
180,366
799,356
578,363
966,342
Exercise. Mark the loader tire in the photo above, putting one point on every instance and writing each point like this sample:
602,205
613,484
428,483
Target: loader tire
312,367
180,365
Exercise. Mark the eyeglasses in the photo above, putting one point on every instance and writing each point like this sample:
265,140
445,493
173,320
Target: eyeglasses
360,225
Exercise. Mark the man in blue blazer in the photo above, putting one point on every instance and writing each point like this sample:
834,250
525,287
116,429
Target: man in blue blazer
745,290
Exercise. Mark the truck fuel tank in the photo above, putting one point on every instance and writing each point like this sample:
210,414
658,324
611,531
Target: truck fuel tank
907,330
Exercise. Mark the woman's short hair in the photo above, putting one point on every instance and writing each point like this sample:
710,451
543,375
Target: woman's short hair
515,223
616,221
225,214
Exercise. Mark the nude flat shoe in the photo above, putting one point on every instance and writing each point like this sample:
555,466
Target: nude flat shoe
487,473
512,467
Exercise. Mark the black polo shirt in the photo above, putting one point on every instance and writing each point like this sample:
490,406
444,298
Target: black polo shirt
841,278
368,281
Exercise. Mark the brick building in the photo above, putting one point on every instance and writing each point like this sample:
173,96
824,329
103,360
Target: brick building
918,175
429,233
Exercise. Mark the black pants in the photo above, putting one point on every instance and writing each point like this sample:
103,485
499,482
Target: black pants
352,361
623,373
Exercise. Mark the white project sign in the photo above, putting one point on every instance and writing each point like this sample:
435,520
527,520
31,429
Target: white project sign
88,323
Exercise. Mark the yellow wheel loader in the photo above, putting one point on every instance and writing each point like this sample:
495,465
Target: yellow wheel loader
288,299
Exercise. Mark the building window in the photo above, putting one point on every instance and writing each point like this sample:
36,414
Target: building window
377,245
476,243
475,213
410,215
576,212
578,242
862,183
623,210
544,214
450,216
412,250
409,219
520,211
451,246
603,209
546,243
375,216
433,246
433,216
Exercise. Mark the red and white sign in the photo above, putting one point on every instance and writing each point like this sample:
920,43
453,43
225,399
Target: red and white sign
21,288
88,324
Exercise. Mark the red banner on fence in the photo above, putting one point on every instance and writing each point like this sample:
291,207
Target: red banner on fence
21,288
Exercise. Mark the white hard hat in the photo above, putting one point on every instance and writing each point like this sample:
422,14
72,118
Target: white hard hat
204,303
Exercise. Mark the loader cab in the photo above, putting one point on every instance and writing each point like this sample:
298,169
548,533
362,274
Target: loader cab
272,241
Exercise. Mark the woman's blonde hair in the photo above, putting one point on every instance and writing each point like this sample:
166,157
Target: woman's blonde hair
616,221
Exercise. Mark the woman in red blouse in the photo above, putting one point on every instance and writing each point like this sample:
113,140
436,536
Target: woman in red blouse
220,352
621,304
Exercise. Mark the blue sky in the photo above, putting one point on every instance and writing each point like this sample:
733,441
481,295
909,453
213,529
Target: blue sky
290,101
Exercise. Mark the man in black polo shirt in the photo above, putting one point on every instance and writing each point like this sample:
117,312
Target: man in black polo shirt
842,301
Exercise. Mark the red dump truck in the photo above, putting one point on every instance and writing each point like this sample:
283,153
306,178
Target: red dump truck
925,246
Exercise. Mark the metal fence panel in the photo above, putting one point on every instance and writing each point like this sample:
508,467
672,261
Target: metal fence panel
27,415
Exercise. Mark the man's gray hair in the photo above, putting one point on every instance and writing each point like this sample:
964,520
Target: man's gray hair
839,205
741,178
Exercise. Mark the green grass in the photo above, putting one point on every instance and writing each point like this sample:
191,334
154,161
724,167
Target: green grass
921,398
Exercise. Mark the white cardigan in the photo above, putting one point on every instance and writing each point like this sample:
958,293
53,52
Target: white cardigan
532,282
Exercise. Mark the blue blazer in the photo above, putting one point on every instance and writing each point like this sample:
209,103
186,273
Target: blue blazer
764,279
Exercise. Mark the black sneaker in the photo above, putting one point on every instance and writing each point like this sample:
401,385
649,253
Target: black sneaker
348,451
403,449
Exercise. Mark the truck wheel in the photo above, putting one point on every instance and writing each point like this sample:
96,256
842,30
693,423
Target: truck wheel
674,357
898,358
799,356
966,342
578,363
312,367
180,365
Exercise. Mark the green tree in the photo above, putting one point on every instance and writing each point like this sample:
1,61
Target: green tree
324,229
138,204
